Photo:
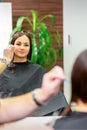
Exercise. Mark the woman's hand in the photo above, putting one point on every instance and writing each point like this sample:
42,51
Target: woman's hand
8,53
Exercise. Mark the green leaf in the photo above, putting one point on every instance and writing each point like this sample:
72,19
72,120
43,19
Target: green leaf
60,51
19,23
49,39
41,50
51,58
21,20
53,18
35,17
14,31
29,21
34,50
42,45
43,30
57,38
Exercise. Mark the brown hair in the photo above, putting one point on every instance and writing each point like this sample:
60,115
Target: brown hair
78,81
19,34
79,78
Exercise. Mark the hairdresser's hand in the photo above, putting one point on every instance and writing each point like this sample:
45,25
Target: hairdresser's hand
51,84
8,53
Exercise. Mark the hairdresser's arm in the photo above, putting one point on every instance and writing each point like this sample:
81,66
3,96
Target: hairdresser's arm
21,106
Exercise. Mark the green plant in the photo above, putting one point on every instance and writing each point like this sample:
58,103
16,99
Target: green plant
43,49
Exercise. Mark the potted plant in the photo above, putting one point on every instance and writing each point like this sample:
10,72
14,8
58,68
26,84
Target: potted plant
43,50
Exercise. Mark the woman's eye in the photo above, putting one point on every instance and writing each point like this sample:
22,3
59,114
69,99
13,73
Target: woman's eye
26,44
18,43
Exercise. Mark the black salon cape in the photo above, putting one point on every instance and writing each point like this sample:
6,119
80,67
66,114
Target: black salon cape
26,77
75,121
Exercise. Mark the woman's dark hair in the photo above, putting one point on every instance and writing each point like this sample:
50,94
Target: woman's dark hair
79,78
78,81
19,34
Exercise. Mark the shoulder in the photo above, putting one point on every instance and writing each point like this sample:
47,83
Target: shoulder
62,122
74,120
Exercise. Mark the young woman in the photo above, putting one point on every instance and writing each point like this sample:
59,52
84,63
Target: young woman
18,107
78,118
23,76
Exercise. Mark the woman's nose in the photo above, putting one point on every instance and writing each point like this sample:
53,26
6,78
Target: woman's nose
22,47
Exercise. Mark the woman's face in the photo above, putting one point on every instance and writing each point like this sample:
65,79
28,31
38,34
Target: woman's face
22,46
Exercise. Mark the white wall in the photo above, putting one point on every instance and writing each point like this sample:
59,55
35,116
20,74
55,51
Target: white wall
75,36
5,24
